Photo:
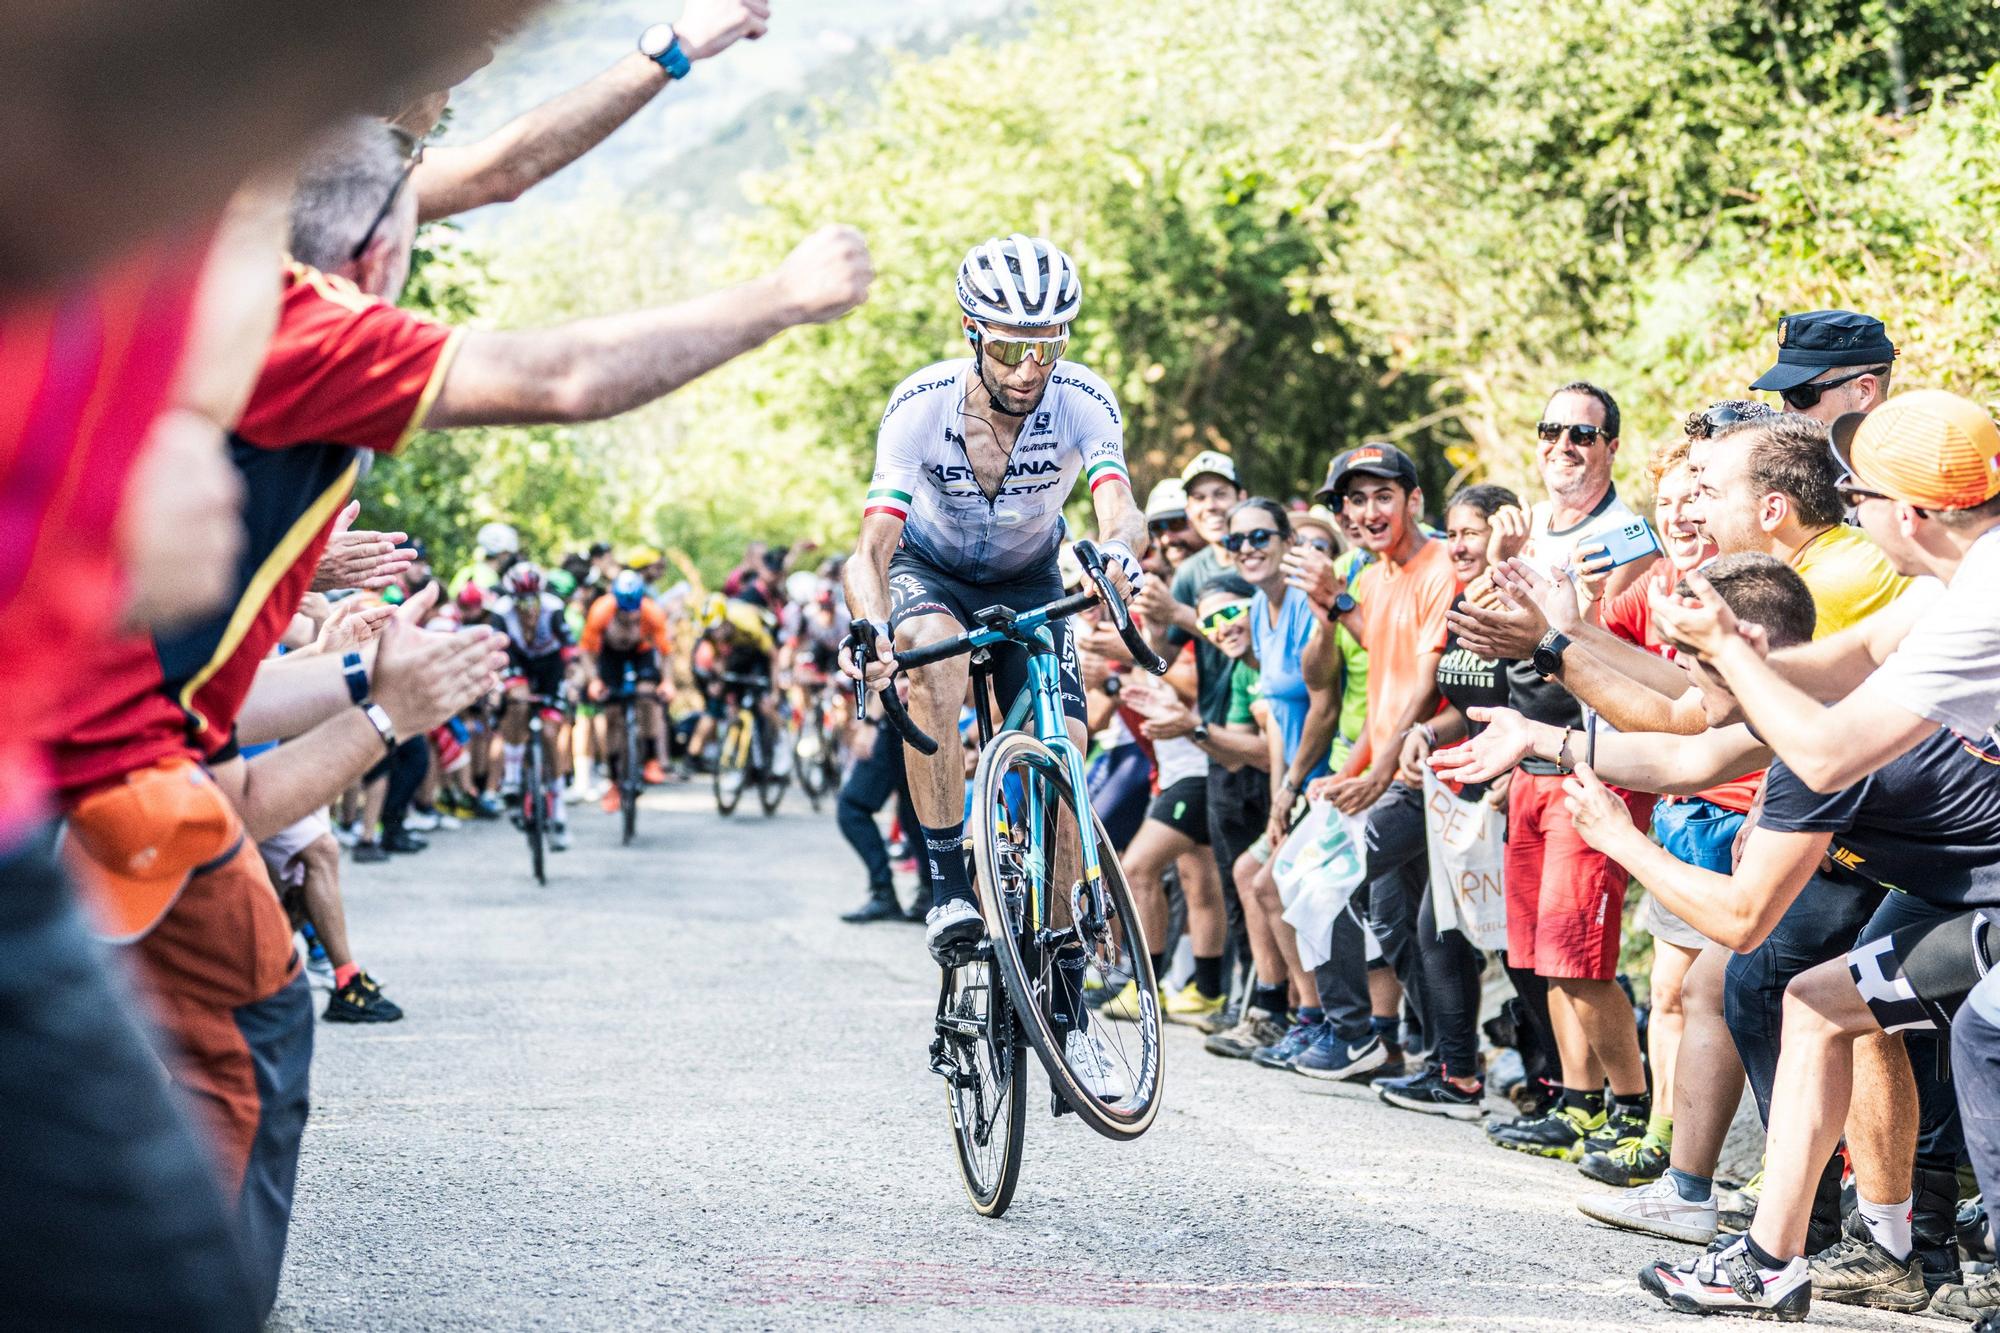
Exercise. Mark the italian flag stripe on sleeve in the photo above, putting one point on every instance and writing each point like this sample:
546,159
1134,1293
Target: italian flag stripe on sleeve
1108,470
883,500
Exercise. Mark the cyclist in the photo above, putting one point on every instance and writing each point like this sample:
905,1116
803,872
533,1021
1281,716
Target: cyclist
498,544
736,640
539,648
626,628
973,464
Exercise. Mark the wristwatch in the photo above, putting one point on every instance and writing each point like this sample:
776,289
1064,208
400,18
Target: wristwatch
662,45
1112,685
1548,658
356,675
1200,733
1342,605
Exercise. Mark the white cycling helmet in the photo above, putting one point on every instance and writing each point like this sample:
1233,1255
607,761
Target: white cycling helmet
498,539
1019,280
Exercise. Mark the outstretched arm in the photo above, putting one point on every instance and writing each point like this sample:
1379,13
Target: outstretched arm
597,368
533,147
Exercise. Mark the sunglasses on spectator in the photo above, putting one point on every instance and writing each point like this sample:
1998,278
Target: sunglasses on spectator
1011,351
1161,526
1551,431
1854,496
413,153
1324,545
1800,397
1256,539
1222,615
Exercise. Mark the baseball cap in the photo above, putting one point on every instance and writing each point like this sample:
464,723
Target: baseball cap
1167,499
1809,343
138,843
1375,459
1213,461
1927,448
1319,516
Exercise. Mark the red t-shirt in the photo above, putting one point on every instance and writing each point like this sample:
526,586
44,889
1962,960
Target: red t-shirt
83,374
345,373
1629,615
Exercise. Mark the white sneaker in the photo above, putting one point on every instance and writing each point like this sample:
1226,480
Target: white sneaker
1729,1281
559,837
419,822
1093,1066
347,834
510,789
950,927
1657,1209
449,822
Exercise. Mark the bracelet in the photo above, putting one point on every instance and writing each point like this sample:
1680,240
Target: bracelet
1564,760
357,677
378,718
1430,734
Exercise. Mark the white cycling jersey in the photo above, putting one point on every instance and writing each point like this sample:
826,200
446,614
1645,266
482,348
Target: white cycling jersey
923,476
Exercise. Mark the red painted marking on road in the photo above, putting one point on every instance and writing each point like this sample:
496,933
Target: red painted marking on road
880,1282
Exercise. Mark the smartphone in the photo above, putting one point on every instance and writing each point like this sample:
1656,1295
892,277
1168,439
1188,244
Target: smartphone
1634,541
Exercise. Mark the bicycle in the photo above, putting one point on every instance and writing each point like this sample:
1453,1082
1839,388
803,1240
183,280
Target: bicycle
748,749
536,800
629,781
1045,929
816,748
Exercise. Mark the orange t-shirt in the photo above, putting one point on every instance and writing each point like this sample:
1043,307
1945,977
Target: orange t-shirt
652,626
1402,623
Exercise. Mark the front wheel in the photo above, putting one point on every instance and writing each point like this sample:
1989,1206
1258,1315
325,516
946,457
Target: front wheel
732,763
981,1056
535,808
1028,855
771,783
629,785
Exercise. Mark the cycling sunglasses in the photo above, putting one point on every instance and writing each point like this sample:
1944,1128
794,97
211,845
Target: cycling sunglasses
1256,539
1551,431
1802,397
1012,351
413,153
1222,615
1159,527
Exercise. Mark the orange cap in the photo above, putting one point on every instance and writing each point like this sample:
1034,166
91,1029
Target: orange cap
138,843
1927,448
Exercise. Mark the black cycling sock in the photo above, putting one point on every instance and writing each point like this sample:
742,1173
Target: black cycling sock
1159,969
944,848
1760,1256
1208,976
1590,1103
1272,1000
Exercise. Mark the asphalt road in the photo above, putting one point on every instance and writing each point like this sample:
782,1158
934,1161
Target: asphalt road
671,1090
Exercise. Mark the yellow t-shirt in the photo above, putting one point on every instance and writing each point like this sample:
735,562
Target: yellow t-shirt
1849,577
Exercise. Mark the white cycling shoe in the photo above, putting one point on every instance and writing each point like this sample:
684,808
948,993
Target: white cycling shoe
1094,1066
952,927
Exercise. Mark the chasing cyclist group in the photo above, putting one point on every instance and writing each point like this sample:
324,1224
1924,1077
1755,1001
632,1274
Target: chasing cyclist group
1772,706
1749,732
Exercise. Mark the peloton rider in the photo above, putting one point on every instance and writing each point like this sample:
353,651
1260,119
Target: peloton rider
972,466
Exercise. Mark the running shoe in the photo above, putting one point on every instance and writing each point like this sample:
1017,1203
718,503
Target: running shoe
610,802
1188,1005
1558,1134
1617,1130
423,821
1633,1162
1093,1066
1257,1028
1856,1271
1433,1094
951,927
652,774
361,1001
1655,1209
369,852
1331,1058
1124,1006
1281,1053
1969,1301
489,806
1735,1208
1728,1281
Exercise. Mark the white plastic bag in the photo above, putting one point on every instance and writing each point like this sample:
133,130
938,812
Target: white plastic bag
1468,841
1317,870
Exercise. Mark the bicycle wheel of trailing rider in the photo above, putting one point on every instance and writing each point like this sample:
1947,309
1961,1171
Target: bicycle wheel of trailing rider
535,807
771,783
732,762
629,785
1046,938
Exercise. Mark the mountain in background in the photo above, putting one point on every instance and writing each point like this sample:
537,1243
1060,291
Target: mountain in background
689,150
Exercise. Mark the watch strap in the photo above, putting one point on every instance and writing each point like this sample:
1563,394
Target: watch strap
378,717
673,60
356,674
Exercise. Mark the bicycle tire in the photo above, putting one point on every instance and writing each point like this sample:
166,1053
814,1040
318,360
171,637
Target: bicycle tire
628,779
771,784
811,773
534,808
1027,963
731,770
989,1178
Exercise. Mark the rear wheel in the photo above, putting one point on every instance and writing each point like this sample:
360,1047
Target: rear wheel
1038,916
732,762
534,807
980,1054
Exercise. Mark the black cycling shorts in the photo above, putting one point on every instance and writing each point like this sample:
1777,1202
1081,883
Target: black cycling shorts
611,664
1915,979
543,674
1183,808
919,588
